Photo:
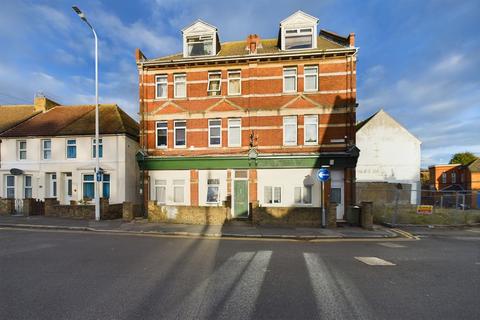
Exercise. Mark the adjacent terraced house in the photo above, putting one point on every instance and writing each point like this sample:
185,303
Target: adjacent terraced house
51,154
245,125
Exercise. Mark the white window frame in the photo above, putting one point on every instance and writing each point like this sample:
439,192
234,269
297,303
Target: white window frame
230,126
157,129
454,177
53,182
295,76
444,177
29,187
299,32
100,145
285,131
206,38
211,80
161,79
177,82
212,126
273,188
7,187
313,74
213,185
21,150
308,118
160,184
46,149
70,145
302,195
175,133
182,185
231,78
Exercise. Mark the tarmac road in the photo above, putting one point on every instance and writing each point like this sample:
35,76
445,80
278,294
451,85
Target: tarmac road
82,275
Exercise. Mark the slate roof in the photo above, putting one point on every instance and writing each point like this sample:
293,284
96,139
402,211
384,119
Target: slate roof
76,120
474,166
12,115
268,46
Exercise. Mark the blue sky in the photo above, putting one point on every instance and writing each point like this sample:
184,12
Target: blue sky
418,60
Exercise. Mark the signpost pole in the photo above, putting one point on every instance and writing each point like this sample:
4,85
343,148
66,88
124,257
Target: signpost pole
324,214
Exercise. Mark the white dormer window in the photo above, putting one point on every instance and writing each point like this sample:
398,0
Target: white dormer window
301,38
200,39
200,46
299,32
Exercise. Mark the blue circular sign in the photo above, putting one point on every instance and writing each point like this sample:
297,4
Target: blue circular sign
323,174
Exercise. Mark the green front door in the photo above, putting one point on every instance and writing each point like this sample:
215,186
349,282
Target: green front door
240,198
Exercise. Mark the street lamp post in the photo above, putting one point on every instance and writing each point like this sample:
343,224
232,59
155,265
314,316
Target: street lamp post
97,159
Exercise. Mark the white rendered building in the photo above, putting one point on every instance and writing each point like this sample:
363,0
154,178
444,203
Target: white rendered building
388,153
52,155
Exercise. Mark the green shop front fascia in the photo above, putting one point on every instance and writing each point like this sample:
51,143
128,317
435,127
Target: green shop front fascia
334,160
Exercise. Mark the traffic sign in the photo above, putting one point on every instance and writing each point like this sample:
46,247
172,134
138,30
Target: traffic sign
323,174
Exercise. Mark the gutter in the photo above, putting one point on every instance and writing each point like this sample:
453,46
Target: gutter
352,51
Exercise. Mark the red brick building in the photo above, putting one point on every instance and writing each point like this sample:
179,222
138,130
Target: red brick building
248,123
457,178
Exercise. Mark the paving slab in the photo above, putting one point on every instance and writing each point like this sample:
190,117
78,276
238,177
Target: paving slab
235,230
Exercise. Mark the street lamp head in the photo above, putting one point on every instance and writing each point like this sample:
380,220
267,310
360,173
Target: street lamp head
79,13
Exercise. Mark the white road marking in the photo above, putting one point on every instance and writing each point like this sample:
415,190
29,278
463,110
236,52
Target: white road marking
235,285
374,261
391,245
474,230
336,296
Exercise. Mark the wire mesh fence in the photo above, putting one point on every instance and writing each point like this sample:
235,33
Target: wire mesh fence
409,204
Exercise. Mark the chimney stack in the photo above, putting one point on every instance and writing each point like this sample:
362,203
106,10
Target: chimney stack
351,39
42,103
253,43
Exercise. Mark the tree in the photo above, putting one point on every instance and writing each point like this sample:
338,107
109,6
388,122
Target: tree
463,158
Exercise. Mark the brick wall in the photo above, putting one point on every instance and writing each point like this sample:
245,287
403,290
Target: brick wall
261,106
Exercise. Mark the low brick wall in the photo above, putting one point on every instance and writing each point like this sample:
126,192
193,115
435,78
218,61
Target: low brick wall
187,214
87,212
287,216
7,206
407,214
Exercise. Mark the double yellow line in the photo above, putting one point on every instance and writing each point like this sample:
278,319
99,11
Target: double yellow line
405,234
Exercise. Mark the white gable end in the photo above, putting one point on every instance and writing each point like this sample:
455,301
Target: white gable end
299,18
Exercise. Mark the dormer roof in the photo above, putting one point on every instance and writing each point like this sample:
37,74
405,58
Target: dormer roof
299,18
199,27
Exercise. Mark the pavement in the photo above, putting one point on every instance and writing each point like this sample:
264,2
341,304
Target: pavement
59,274
230,230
